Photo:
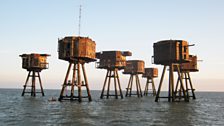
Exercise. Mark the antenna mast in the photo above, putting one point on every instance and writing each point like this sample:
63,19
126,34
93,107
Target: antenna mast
80,10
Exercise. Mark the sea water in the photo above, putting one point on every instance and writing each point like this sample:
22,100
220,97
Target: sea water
207,109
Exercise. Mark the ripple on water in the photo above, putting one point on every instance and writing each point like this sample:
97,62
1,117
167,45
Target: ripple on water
208,109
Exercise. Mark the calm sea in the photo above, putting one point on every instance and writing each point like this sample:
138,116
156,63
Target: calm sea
207,109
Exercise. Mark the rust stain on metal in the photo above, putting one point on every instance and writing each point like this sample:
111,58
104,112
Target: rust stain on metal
171,51
150,72
134,67
112,59
76,47
34,61
190,66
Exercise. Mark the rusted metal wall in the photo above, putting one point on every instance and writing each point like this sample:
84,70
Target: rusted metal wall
190,66
134,67
112,59
76,47
150,72
171,51
34,61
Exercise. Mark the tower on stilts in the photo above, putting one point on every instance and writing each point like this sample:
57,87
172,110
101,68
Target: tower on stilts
171,53
77,51
112,61
150,74
34,63
134,68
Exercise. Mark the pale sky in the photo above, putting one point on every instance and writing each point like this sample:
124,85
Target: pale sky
29,26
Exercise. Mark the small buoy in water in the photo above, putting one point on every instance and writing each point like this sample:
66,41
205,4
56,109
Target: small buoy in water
52,99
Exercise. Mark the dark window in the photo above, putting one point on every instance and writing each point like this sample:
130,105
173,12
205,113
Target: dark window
68,46
185,49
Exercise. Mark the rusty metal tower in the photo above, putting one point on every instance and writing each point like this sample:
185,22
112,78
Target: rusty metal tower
134,68
34,63
77,51
150,74
112,61
171,53
185,69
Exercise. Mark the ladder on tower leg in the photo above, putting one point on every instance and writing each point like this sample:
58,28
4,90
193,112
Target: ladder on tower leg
189,90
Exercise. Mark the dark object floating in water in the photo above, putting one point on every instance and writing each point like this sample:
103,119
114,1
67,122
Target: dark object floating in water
52,99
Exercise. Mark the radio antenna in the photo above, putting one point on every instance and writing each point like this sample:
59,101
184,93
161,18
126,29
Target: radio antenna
80,12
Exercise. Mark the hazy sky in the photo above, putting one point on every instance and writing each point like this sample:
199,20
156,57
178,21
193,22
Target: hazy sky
28,26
